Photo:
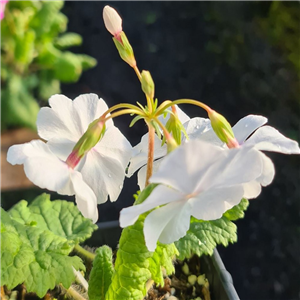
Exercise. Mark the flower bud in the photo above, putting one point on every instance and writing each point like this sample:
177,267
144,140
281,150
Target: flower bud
125,49
222,129
147,84
112,21
89,140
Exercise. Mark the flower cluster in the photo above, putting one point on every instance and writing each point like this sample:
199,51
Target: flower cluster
211,169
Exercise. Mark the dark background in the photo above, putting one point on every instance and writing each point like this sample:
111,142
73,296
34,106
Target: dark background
240,58
234,56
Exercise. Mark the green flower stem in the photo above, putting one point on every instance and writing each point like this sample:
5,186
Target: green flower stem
124,112
150,152
72,293
138,73
164,106
121,105
83,253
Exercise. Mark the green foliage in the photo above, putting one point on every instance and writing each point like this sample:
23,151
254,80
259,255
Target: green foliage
35,256
60,217
135,264
100,277
281,26
36,241
33,46
204,236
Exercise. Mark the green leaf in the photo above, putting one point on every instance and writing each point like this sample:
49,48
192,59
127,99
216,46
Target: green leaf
135,264
68,67
35,256
68,40
101,274
87,62
60,217
204,236
48,85
238,211
162,258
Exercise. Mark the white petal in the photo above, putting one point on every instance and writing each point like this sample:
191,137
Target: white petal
112,20
140,153
41,166
268,171
246,126
16,155
251,189
143,173
85,197
200,128
159,196
103,167
185,166
211,205
87,108
61,147
269,139
167,224
237,166
58,121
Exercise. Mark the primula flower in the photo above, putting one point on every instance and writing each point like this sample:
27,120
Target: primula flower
201,180
62,124
46,170
264,138
2,8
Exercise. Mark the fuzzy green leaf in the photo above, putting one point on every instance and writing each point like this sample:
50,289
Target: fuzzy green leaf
60,217
100,277
162,258
35,256
204,236
238,211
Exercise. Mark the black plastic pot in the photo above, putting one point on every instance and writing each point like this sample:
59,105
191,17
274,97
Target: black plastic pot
220,281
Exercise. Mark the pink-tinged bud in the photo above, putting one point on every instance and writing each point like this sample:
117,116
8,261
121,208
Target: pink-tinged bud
221,127
2,8
112,21
231,141
89,140
73,159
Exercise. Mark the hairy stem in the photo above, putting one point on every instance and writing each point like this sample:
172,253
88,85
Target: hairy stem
71,292
150,153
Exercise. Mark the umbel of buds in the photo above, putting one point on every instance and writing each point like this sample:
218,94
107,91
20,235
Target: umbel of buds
113,24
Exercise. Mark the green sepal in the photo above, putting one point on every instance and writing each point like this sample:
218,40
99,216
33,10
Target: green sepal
204,236
101,274
125,49
137,118
60,217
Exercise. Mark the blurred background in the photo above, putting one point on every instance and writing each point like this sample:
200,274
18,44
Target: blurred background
238,57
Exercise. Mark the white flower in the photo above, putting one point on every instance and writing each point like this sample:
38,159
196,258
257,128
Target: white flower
46,170
62,125
201,180
264,138
112,20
